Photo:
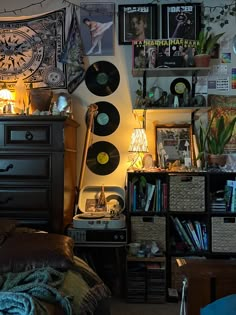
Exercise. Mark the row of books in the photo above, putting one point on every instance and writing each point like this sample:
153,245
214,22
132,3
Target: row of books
148,196
224,200
192,233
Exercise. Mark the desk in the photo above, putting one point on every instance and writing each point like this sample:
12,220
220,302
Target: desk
208,280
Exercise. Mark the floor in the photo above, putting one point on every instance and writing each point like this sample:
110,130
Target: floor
120,307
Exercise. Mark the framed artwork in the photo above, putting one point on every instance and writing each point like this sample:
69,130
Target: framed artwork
97,28
181,21
174,142
137,22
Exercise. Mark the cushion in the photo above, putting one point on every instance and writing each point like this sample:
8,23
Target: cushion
225,305
24,251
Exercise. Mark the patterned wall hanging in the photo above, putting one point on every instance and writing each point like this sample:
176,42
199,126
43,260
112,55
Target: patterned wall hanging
30,49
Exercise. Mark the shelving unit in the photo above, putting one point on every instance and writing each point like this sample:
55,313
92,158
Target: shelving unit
189,196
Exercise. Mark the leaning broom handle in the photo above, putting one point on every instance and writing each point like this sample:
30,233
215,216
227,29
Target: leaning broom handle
92,109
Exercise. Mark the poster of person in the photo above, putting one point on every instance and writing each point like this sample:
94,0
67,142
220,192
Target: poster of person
97,28
181,21
137,22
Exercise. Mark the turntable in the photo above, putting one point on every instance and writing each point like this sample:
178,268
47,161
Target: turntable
94,216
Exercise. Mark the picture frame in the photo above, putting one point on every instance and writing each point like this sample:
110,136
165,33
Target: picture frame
137,22
174,143
181,20
97,24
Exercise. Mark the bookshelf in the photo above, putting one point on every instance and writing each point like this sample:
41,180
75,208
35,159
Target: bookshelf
183,216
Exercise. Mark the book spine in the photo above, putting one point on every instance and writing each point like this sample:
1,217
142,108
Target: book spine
191,228
185,235
165,196
199,233
179,232
150,192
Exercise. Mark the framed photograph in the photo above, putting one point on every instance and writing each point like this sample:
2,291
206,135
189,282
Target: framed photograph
137,22
174,142
181,20
97,28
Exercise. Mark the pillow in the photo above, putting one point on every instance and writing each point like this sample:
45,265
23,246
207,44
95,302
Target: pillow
225,305
24,251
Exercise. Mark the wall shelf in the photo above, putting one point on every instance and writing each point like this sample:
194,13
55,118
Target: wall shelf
169,71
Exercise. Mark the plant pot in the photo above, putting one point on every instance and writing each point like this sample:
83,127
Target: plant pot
202,60
217,159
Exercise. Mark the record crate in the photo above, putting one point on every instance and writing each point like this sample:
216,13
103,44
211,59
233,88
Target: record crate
149,228
187,193
223,234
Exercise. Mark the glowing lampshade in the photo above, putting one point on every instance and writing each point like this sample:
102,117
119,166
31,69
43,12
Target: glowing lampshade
5,94
138,141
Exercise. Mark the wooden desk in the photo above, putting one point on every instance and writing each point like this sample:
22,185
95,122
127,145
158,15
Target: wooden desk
208,280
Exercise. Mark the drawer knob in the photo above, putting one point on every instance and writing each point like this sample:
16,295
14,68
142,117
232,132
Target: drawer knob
7,168
28,135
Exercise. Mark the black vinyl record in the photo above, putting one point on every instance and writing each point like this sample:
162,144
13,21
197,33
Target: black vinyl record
102,78
103,158
179,85
106,120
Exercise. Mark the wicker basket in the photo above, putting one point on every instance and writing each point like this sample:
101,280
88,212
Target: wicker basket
149,228
223,234
187,193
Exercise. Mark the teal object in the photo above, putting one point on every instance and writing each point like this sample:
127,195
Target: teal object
225,305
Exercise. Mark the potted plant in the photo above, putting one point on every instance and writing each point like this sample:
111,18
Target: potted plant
212,141
205,44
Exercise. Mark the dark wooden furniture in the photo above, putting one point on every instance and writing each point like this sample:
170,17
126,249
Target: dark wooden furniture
207,281
38,170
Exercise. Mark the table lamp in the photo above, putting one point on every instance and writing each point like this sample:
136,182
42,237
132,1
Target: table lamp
138,145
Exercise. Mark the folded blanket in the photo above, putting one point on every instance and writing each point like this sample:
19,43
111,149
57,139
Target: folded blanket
16,303
38,284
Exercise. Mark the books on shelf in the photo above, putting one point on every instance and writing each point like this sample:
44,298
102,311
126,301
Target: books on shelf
230,195
192,233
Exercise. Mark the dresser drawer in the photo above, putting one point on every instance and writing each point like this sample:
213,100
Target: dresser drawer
28,134
25,166
23,199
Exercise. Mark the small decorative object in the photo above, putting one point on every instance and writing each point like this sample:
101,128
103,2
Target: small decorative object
147,161
212,141
205,44
102,202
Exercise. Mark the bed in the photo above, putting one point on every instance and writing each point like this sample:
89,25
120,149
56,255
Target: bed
39,275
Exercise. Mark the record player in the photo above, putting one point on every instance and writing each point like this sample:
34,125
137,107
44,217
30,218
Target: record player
94,216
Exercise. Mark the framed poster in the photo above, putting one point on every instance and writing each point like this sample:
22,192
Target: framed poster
97,28
181,21
174,142
137,22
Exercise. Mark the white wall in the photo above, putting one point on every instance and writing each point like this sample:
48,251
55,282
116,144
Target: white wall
124,96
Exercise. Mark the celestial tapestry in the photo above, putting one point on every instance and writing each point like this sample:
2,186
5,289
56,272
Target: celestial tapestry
30,49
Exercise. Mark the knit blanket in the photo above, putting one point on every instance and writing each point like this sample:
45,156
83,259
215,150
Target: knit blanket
21,293
78,290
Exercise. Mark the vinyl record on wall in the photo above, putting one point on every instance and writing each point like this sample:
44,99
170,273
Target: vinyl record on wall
102,78
179,85
103,158
106,120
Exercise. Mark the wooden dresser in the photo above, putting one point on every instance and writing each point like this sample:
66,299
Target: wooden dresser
38,170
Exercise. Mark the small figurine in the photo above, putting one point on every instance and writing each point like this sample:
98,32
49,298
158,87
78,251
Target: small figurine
102,202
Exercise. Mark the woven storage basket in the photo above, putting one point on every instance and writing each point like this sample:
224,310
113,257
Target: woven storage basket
148,229
223,234
187,193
